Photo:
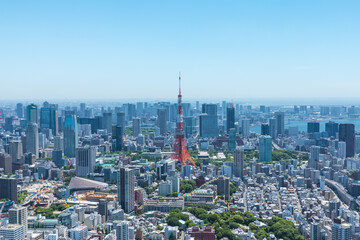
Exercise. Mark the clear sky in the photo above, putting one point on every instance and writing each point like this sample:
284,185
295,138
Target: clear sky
135,49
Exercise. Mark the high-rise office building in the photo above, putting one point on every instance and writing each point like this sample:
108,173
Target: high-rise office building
49,118
239,163
332,128
189,125
161,120
265,148
31,113
223,187
280,122
341,150
70,134
20,110
272,128
131,111
265,129
120,120
209,109
85,160
15,150
313,127
117,137
5,162
245,127
324,110
126,189
8,188
32,139
314,156
57,158
208,126
18,215
347,135
230,118
136,122
107,121
103,208
232,139
139,109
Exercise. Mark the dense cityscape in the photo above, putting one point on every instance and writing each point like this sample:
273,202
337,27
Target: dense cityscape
174,170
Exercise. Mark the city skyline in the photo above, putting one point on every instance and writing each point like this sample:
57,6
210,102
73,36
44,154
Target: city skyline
243,50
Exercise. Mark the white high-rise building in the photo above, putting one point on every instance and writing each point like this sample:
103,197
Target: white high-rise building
13,232
122,231
314,155
245,127
18,215
79,233
342,150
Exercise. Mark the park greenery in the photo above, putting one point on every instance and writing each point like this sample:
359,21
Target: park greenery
187,186
49,212
225,222
21,196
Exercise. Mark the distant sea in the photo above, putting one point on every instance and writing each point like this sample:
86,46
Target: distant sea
302,124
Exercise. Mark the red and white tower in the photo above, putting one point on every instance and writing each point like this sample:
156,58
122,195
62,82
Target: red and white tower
180,151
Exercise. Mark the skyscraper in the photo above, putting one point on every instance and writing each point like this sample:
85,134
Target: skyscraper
5,162
208,126
136,126
232,139
139,109
210,109
120,120
239,163
332,128
230,118
313,127
347,135
161,120
265,130
32,139
223,187
245,127
16,150
189,124
315,229
314,156
49,118
85,160
8,188
107,121
31,113
272,128
70,134
117,137
20,110
126,189
280,122
265,148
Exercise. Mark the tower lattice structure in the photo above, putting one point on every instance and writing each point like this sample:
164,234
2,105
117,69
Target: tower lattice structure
180,150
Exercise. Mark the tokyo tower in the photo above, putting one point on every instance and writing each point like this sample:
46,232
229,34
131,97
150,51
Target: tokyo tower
180,151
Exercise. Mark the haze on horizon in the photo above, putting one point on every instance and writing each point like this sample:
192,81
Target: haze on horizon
121,50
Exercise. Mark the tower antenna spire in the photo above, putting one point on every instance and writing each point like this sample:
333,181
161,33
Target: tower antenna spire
179,83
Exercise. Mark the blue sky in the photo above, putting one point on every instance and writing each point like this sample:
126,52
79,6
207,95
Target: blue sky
135,49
